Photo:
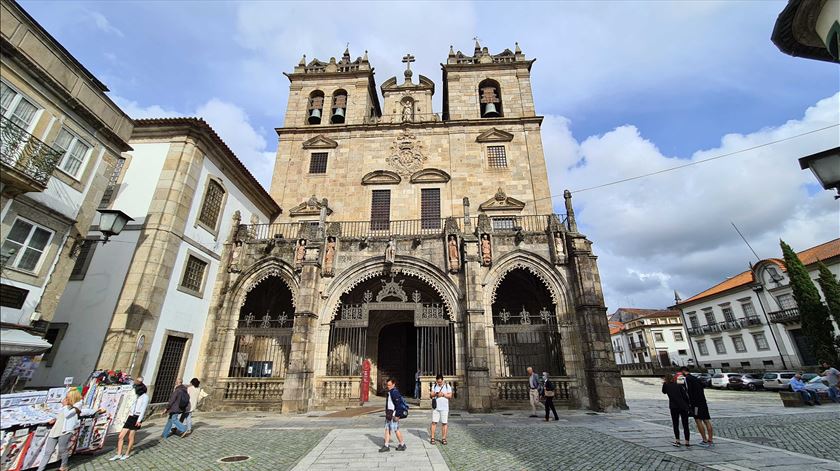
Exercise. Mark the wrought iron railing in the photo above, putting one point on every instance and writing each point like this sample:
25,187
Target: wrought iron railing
636,345
785,315
26,153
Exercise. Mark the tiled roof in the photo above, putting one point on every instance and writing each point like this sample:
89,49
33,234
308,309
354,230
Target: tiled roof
810,256
615,327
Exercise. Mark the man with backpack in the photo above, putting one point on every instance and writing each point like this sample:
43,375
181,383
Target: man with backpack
179,403
395,409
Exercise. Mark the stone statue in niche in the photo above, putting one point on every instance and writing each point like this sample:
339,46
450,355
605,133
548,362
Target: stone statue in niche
329,256
235,255
391,251
407,111
486,251
559,246
454,256
300,252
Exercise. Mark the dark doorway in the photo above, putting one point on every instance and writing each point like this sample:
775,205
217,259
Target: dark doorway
170,365
803,344
397,357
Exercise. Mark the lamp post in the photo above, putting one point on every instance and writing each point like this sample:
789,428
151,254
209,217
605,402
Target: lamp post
826,167
112,222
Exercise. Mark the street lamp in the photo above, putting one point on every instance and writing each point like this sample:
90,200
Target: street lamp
112,222
826,167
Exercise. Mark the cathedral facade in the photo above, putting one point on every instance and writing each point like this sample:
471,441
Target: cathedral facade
411,241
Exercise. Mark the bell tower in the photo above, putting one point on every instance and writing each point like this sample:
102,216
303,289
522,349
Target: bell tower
331,93
486,86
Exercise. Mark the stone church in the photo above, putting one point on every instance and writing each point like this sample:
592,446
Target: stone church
415,240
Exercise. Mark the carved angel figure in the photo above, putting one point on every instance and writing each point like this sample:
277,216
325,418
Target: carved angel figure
454,256
391,251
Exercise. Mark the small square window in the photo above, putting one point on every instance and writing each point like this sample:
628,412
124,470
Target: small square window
503,224
745,364
678,336
496,157
682,352
318,162
658,337
768,363
193,274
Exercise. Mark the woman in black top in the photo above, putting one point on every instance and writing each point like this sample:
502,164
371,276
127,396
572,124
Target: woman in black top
678,403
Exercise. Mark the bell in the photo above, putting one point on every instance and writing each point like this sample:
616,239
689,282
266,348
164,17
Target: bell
315,116
490,111
338,115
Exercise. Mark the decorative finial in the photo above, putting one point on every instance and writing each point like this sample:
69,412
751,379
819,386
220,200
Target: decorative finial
365,57
677,298
451,50
477,46
302,60
570,211
516,49
347,50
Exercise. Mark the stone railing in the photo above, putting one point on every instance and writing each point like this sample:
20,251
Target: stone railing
253,389
26,154
785,315
517,389
340,387
637,345
396,118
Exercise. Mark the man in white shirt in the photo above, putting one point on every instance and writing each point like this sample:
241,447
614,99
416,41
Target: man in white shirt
441,394
533,391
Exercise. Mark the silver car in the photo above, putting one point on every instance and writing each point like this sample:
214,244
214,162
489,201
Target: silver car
777,380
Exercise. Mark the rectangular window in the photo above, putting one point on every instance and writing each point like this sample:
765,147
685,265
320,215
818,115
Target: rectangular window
692,321
768,363
108,195
430,208
682,352
749,309
761,341
710,317
738,341
74,150
16,107
380,210
728,316
496,157
724,365
786,301
745,364
12,297
658,337
701,347
211,207
678,336
83,259
503,224
720,348
193,274
54,335
24,245
318,162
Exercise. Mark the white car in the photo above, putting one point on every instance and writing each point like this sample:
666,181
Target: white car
721,380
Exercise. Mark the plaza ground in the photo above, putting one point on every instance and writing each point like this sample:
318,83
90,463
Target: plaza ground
754,432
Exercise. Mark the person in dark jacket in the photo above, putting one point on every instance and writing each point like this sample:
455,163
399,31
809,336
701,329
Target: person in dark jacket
699,407
678,403
394,408
179,402
548,392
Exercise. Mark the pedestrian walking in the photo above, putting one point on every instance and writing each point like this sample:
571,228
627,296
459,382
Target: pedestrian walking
548,392
179,402
678,404
134,420
533,391
196,395
441,394
395,409
832,376
417,384
64,427
698,407
798,386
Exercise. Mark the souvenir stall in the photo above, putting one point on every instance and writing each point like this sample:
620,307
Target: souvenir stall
25,416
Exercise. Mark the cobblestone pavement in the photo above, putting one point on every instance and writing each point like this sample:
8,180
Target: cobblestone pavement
814,435
539,448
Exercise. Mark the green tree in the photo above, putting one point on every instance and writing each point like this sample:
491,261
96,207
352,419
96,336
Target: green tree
831,290
816,325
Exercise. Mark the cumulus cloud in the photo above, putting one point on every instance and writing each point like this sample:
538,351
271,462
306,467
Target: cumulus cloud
673,230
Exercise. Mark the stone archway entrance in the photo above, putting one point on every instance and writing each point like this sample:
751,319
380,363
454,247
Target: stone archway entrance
397,356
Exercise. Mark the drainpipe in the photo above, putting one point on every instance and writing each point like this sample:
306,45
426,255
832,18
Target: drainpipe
758,289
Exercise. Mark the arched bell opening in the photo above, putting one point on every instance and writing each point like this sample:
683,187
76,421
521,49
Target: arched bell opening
315,107
490,99
339,107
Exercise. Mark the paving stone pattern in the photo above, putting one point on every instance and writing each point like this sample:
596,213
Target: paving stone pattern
268,449
537,448
809,434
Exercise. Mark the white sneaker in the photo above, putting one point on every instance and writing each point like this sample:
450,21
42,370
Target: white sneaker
123,457
115,458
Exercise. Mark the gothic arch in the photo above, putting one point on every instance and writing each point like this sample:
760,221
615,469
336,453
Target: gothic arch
256,274
536,265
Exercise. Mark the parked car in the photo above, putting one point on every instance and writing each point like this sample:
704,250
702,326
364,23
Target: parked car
777,380
704,378
721,380
816,384
750,381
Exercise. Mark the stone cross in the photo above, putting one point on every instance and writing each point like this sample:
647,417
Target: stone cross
408,59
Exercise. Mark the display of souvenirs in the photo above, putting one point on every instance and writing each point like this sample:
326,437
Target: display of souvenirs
56,394
13,449
92,434
36,447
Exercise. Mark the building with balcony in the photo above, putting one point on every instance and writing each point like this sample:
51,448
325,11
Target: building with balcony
649,336
186,192
61,138
751,320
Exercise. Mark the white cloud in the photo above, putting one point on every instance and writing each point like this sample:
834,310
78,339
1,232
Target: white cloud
673,231
104,25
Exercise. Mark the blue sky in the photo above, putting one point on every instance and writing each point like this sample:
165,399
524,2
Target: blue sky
626,87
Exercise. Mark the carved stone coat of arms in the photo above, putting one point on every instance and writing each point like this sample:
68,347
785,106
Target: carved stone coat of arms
406,154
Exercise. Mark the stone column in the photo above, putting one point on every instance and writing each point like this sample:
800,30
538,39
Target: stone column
479,398
298,389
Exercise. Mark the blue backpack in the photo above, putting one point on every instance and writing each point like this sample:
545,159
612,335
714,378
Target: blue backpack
401,408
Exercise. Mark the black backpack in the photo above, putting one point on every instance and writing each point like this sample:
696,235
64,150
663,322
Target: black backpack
184,402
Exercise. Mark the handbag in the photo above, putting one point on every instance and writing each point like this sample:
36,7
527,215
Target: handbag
549,393
434,400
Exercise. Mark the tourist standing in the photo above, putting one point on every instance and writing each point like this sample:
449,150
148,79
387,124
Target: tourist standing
179,402
533,391
417,384
808,397
699,408
134,420
548,393
441,394
832,376
64,427
394,408
678,404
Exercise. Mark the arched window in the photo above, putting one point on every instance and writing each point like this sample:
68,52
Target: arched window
339,107
490,99
316,106
211,207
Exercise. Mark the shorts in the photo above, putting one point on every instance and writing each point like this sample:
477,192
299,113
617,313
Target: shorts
701,412
131,422
441,416
392,425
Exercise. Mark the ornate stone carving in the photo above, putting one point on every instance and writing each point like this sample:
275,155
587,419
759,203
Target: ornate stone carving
300,253
486,250
484,224
235,255
329,257
391,251
524,317
406,153
546,315
555,297
392,288
454,254
559,248
501,202
310,208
